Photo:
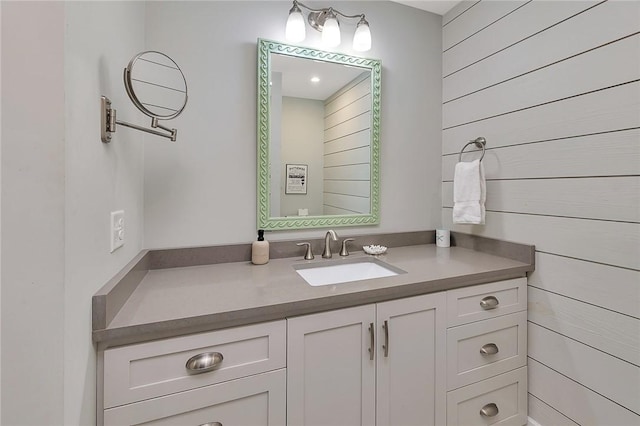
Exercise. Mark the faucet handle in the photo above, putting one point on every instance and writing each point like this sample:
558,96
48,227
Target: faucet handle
308,255
344,251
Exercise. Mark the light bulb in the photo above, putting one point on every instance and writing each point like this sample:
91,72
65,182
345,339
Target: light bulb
331,31
362,37
295,30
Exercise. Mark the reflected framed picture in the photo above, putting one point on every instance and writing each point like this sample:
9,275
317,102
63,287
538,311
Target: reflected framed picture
296,179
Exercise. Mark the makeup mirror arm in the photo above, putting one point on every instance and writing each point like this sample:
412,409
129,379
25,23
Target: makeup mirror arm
108,124
156,123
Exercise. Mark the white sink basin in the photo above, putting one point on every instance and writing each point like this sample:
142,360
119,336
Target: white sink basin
345,270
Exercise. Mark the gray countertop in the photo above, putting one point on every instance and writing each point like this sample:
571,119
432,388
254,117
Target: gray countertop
174,301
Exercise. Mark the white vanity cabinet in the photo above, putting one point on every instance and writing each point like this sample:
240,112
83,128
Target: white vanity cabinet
456,357
231,376
369,365
487,354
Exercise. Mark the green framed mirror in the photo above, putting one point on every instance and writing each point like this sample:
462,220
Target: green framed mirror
318,138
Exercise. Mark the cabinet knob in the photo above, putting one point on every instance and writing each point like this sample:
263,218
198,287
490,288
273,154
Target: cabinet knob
489,349
204,362
489,410
489,302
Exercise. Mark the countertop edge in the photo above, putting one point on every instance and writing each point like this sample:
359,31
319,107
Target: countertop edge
108,337
107,301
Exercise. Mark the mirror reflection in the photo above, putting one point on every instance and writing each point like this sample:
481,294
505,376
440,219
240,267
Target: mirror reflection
323,114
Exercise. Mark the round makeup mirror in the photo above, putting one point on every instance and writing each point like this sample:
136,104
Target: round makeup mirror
156,85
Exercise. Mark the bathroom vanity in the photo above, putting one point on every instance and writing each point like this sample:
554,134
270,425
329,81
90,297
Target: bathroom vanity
444,342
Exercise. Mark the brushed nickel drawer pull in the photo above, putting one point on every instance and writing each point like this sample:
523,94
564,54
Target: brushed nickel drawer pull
489,302
204,362
372,347
211,424
489,349
385,327
489,410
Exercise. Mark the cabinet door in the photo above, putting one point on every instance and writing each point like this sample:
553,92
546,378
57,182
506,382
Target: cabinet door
257,400
411,363
330,370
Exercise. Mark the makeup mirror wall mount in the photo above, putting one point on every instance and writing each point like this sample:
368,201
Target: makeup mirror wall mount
323,171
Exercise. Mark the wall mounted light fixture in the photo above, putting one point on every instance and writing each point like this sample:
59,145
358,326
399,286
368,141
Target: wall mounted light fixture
326,21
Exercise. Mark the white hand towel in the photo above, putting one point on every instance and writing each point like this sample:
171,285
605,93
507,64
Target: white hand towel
469,193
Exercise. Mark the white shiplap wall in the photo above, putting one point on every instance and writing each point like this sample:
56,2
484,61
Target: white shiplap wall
347,149
554,86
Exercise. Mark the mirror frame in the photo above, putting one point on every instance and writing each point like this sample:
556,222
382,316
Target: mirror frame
265,49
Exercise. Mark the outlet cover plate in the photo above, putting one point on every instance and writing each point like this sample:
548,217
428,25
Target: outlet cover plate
117,230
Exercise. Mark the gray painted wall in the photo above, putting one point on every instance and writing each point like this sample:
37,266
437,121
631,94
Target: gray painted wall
59,185
99,178
190,199
555,89
59,182
33,213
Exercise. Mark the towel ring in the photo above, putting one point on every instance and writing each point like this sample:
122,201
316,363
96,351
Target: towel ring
479,142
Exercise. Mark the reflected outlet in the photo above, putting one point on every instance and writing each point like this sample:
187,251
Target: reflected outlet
117,230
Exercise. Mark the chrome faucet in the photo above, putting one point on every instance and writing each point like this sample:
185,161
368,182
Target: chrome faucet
327,243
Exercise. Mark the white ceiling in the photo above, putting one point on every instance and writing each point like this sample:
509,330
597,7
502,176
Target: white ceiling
439,7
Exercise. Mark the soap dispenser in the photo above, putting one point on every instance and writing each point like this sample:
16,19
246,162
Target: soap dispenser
260,250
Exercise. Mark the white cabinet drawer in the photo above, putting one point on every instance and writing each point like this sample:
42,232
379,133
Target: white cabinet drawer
257,401
471,347
503,398
485,301
148,370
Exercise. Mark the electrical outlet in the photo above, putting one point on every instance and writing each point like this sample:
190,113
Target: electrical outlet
117,230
